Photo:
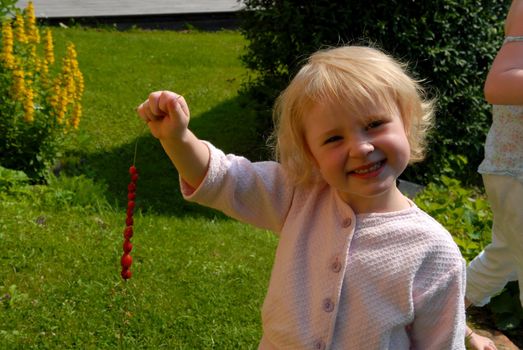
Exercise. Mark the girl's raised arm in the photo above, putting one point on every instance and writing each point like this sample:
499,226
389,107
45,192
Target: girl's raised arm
167,115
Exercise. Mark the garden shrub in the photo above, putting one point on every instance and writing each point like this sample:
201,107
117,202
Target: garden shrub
12,181
466,214
449,43
7,8
61,192
40,102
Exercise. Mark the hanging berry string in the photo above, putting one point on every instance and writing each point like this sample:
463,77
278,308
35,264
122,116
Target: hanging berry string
126,260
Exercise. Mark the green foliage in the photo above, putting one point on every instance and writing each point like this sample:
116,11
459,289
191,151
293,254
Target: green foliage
12,180
449,43
39,101
507,310
31,147
466,214
7,8
60,192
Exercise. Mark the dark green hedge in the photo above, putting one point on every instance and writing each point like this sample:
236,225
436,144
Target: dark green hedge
449,43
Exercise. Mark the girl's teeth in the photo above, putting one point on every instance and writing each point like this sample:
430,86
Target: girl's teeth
368,170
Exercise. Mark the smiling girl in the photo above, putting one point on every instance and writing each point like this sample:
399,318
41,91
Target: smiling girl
358,265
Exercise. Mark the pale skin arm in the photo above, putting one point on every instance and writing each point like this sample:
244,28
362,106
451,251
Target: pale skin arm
167,115
504,83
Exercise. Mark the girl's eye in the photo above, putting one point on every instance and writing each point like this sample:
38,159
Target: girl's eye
374,124
332,139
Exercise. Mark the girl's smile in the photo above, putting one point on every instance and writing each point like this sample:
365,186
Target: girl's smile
369,170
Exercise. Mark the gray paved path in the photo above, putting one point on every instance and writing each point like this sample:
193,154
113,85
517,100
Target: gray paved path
95,8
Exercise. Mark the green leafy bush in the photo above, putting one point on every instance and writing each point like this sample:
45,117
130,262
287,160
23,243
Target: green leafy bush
60,192
449,43
7,7
466,214
12,181
37,107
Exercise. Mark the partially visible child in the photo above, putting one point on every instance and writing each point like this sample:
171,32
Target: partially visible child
502,170
358,265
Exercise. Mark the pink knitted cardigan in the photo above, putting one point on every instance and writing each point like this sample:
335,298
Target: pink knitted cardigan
339,280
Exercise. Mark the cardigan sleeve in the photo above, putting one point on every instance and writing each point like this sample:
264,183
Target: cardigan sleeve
439,320
257,193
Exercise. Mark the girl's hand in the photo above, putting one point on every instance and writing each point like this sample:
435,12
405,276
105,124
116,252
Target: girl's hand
166,113
478,342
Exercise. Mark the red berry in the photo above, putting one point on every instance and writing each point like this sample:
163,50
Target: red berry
133,170
134,178
131,187
128,232
131,204
131,196
130,212
129,221
126,274
127,246
126,261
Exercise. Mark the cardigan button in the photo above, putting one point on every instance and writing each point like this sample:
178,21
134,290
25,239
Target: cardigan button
328,305
319,345
346,222
336,265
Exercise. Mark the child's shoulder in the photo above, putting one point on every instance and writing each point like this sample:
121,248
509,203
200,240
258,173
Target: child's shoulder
412,222
424,222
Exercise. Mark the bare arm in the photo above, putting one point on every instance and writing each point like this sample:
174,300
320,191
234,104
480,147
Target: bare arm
167,115
504,83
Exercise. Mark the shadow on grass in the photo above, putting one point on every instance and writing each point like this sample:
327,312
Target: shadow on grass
229,126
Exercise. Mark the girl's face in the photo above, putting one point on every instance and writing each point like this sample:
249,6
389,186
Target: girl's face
359,155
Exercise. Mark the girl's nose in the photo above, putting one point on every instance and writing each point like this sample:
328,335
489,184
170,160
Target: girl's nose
361,149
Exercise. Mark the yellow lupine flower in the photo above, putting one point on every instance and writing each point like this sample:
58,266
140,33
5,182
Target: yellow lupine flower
77,114
7,45
79,78
44,74
69,90
18,87
31,29
37,64
62,109
29,106
49,47
19,29
54,96
71,52
62,101
31,58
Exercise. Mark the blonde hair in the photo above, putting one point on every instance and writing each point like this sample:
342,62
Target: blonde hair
352,76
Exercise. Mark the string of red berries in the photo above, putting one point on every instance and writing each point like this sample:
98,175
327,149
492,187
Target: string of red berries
127,260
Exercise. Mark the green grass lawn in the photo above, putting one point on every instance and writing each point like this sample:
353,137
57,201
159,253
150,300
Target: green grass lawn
198,278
